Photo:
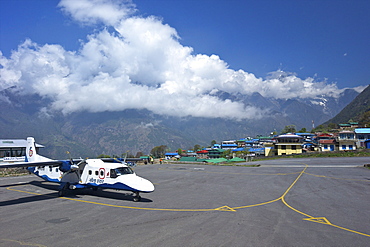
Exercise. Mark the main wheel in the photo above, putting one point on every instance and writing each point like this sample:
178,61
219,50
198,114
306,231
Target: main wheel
61,193
137,198
63,190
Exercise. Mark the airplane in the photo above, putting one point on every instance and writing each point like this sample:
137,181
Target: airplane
83,173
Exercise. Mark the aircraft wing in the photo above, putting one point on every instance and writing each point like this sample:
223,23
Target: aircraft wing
33,164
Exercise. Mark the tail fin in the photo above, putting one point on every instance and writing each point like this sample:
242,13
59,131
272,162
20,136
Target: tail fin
31,150
31,154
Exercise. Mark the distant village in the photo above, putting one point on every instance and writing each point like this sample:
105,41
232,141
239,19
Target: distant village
348,137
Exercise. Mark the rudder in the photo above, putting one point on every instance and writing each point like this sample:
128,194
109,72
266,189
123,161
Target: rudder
31,153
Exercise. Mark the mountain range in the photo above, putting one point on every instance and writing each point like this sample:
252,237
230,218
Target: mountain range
358,110
85,134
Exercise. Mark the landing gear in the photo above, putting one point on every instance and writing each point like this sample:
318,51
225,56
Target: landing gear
61,193
137,197
63,189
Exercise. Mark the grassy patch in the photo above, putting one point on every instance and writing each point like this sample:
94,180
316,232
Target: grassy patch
11,172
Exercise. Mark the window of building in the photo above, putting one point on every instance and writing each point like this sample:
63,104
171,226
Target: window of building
294,147
283,147
12,152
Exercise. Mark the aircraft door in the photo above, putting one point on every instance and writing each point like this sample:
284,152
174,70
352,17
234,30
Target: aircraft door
101,173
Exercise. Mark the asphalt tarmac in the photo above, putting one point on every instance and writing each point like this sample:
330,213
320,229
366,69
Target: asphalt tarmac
284,202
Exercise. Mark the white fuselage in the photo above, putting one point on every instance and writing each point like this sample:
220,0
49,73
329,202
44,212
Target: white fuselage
97,173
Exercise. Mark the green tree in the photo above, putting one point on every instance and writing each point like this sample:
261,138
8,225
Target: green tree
139,154
213,142
103,156
196,147
226,154
332,126
365,119
158,151
303,130
289,129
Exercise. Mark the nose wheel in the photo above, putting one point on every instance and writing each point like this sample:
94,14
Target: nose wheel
137,197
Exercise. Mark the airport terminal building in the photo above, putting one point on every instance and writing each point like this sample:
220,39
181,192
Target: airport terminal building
14,150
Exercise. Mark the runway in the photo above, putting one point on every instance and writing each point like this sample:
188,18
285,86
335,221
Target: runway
290,202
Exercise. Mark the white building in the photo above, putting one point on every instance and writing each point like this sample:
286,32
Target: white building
14,150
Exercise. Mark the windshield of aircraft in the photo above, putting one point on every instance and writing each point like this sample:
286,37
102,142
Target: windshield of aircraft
124,170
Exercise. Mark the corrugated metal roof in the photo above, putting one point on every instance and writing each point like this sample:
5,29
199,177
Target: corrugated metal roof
171,154
327,141
216,160
289,136
188,159
362,131
16,143
236,159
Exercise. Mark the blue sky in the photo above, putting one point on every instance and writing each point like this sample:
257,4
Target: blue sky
323,44
328,39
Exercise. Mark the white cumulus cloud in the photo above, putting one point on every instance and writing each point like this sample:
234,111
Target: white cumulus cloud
142,65
94,11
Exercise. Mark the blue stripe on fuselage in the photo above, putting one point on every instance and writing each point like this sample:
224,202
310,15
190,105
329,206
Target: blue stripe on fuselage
45,177
116,186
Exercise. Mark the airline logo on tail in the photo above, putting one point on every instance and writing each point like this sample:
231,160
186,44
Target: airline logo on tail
30,152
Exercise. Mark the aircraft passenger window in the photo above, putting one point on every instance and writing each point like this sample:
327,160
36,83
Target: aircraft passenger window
96,173
113,173
50,169
56,169
101,173
90,172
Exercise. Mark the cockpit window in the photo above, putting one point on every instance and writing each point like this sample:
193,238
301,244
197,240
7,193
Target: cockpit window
120,171
124,170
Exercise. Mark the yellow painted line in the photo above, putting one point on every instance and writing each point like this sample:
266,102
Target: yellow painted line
141,208
296,210
349,179
320,220
325,221
223,208
129,207
295,181
349,230
258,204
32,193
290,187
22,242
